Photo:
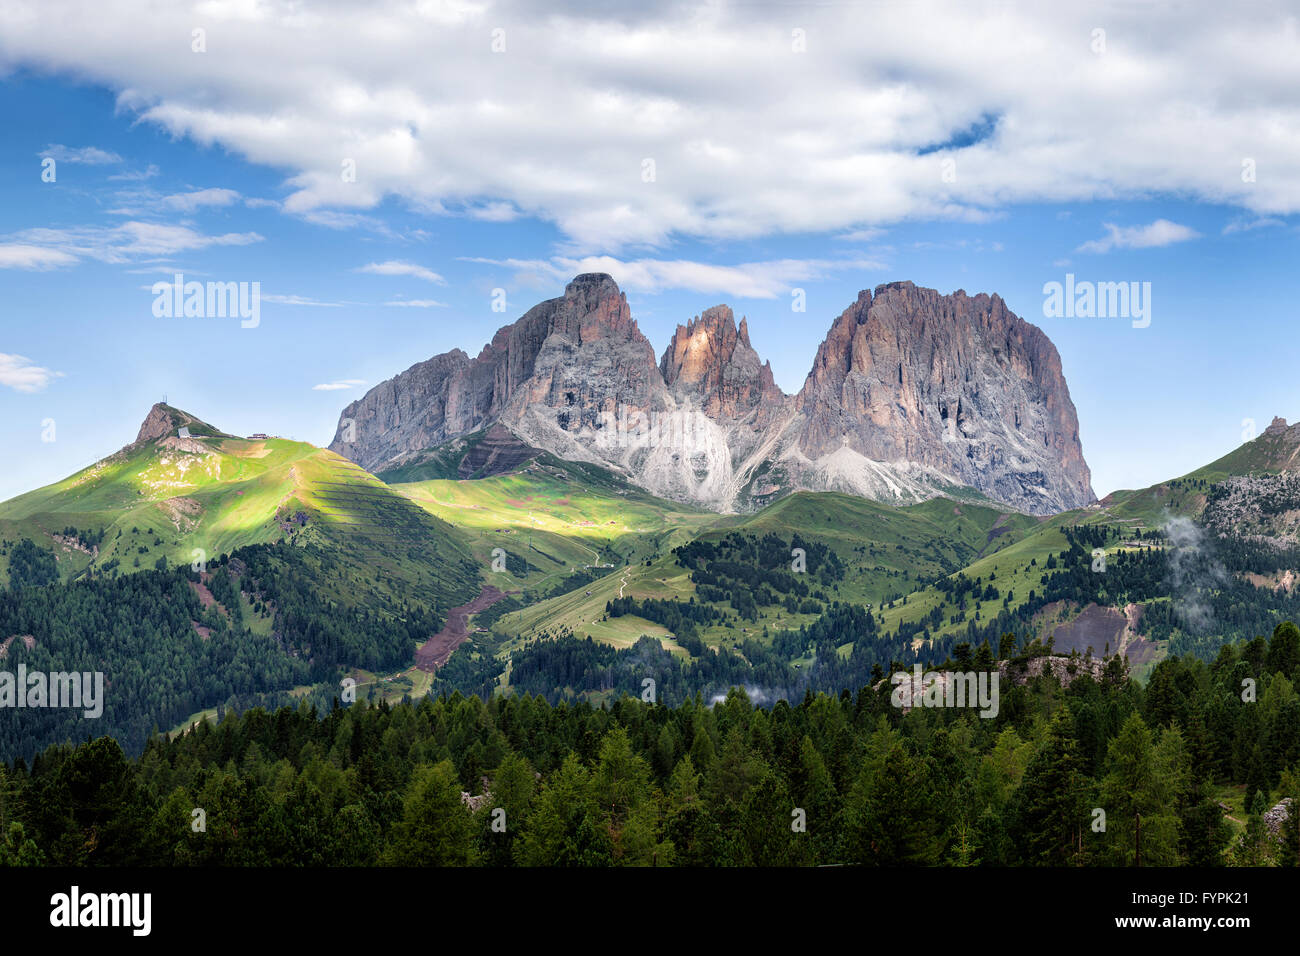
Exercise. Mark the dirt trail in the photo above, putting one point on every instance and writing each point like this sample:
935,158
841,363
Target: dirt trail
434,652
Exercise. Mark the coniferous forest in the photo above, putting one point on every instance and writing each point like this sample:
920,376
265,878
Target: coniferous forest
1105,772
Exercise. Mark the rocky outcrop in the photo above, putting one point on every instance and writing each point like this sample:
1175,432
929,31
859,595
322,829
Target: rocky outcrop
165,422
954,384
156,424
499,453
912,394
578,354
711,362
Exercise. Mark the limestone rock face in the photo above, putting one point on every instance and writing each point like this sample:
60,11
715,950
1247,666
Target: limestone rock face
912,394
711,361
158,423
952,383
408,413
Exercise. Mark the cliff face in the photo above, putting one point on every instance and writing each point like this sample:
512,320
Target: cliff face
577,354
911,394
953,383
712,362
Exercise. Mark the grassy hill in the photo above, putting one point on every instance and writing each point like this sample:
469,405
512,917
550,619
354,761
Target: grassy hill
182,500
886,551
552,517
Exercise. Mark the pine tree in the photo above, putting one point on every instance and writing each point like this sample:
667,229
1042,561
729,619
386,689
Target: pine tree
436,827
1048,806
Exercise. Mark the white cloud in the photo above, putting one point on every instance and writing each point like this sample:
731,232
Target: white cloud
417,304
22,256
861,235
137,176
84,155
1162,232
494,212
332,219
300,300
1248,225
18,373
397,267
123,243
750,280
339,385
197,199
748,137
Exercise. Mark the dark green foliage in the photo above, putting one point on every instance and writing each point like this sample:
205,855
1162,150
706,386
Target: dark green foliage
835,779
31,566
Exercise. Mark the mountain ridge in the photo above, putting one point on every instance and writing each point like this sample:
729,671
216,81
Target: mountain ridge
889,410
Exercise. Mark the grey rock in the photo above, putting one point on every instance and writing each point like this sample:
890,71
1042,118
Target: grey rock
912,394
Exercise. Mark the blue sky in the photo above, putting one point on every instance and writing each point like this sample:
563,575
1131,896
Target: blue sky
212,164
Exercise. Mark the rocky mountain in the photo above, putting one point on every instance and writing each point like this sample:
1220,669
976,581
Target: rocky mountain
948,385
912,394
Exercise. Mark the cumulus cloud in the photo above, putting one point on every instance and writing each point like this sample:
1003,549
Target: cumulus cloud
396,267
18,372
632,127
1162,232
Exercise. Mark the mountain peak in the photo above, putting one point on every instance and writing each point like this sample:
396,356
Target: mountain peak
952,383
593,285
912,392
713,360
165,420
161,420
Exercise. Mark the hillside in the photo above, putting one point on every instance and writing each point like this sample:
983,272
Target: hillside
926,578
168,500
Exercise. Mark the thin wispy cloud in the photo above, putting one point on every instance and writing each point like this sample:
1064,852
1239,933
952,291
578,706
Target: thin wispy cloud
1249,225
19,373
199,198
332,219
1162,232
83,156
38,258
134,176
750,280
398,267
861,235
417,304
301,300
338,386
126,242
